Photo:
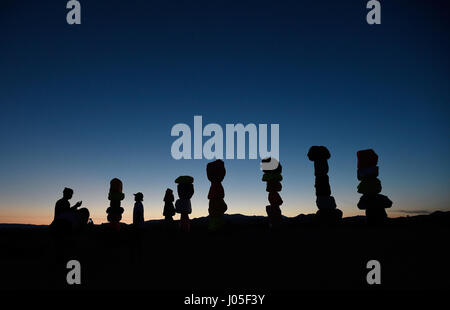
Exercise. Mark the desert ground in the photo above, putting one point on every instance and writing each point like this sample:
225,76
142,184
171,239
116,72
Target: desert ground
302,255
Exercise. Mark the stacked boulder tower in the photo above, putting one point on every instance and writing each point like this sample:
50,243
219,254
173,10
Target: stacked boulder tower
115,197
372,201
215,172
370,187
185,189
327,213
273,179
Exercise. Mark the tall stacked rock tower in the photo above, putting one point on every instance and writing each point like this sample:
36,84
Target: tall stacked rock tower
370,186
216,173
185,189
327,213
115,197
273,178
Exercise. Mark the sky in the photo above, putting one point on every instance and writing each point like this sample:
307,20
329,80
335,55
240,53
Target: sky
82,104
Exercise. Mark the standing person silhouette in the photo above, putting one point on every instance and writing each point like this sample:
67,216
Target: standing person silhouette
138,210
138,224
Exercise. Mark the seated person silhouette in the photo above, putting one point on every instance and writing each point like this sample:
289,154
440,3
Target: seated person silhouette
67,218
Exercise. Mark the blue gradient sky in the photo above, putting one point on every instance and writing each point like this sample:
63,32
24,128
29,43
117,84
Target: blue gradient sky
83,104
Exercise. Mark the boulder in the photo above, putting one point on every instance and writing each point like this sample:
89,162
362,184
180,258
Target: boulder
183,206
114,204
374,201
216,191
273,211
367,173
325,202
318,153
323,190
273,186
320,167
215,171
367,158
321,180
115,185
114,214
272,177
275,199
278,168
370,186
217,207
184,179
116,196
185,190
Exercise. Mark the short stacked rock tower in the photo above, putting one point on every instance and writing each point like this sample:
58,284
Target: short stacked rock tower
169,209
370,186
327,213
273,178
115,197
217,207
185,189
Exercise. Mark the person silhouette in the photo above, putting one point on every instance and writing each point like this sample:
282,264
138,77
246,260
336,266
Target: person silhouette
138,225
63,204
138,210
67,218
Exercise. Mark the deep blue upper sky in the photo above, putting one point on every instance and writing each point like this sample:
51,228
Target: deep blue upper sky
84,103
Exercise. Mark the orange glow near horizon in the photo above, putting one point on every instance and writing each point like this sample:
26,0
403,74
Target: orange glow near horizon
35,218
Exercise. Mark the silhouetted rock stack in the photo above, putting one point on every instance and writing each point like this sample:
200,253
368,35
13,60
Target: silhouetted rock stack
273,178
370,186
327,213
115,196
185,189
217,207
169,209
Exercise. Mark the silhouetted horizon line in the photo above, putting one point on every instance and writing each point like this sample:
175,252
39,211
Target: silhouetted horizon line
406,214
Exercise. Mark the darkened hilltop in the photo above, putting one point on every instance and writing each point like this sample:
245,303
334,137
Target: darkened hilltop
215,172
370,186
327,213
273,178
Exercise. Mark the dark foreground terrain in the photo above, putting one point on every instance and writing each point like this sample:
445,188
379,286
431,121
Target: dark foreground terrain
303,255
